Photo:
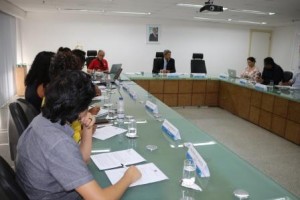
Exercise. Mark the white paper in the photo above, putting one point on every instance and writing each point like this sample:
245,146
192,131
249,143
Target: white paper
117,159
97,98
150,174
107,132
102,112
261,87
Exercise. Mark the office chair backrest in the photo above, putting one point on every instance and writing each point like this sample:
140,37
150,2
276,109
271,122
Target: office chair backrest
28,109
198,64
17,124
198,56
9,188
91,53
159,55
287,76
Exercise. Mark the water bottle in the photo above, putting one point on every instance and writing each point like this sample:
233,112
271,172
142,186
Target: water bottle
120,110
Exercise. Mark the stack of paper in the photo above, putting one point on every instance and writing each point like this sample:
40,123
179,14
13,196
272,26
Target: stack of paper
150,174
117,159
108,132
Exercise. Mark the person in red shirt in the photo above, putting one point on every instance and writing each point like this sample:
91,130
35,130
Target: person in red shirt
99,64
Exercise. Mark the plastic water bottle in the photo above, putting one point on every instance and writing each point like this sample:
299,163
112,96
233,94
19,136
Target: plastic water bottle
120,110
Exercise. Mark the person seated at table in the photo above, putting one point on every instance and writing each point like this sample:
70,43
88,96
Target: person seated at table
271,72
59,64
63,50
80,55
165,65
251,72
99,64
37,79
295,81
50,165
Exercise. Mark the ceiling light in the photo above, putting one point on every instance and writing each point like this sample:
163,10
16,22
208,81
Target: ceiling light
189,5
230,21
252,12
80,10
131,13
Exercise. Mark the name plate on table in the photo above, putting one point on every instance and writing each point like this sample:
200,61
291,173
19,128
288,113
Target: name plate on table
243,81
201,166
224,76
125,87
151,107
198,75
132,94
261,87
172,75
171,130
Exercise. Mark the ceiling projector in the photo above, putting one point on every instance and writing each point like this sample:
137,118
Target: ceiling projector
209,6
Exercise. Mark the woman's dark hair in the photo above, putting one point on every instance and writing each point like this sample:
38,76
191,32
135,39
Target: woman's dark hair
269,61
39,70
252,59
80,55
62,62
69,94
63,50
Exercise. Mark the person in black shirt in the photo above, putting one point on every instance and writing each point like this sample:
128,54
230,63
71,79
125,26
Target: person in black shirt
271,72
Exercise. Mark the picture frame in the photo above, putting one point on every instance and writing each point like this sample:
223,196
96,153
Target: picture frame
153,33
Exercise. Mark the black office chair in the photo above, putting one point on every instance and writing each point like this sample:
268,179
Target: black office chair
17,124
29,110
91,55
198,64
9,188
287,76
158,57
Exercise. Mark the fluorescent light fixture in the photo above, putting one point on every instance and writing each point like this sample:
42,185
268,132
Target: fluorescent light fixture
130,13
230,20
252,12
80,10
189,5
210,19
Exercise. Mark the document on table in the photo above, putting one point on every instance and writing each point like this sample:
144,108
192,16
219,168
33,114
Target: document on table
150,174
117,159
102,112
107,132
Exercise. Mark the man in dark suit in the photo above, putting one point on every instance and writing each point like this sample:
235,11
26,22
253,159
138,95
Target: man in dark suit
153,37
164,65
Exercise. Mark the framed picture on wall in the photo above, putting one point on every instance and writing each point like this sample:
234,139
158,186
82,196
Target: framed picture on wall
153,34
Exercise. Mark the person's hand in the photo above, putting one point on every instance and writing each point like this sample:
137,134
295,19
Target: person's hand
94,110
88,121
259,80
133,174
97,91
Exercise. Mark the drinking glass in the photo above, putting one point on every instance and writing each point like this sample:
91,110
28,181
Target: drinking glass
188,175
132,132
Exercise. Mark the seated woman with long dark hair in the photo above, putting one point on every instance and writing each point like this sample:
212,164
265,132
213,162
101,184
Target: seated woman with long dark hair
50,164
38,78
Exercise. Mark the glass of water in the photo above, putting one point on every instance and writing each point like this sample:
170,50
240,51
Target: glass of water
188,175
132,132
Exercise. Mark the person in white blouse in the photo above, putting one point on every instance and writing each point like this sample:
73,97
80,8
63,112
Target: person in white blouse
251,72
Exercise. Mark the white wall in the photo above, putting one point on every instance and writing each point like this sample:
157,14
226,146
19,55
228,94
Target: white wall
286,47
124,40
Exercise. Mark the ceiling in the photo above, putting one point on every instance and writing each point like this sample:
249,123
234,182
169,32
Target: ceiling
287,11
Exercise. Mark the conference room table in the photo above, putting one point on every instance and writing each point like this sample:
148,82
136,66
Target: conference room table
277,110
228,171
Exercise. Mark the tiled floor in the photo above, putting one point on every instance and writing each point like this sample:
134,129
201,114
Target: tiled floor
276,157
273,155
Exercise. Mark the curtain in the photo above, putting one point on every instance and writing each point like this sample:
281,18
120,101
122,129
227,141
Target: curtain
8,57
